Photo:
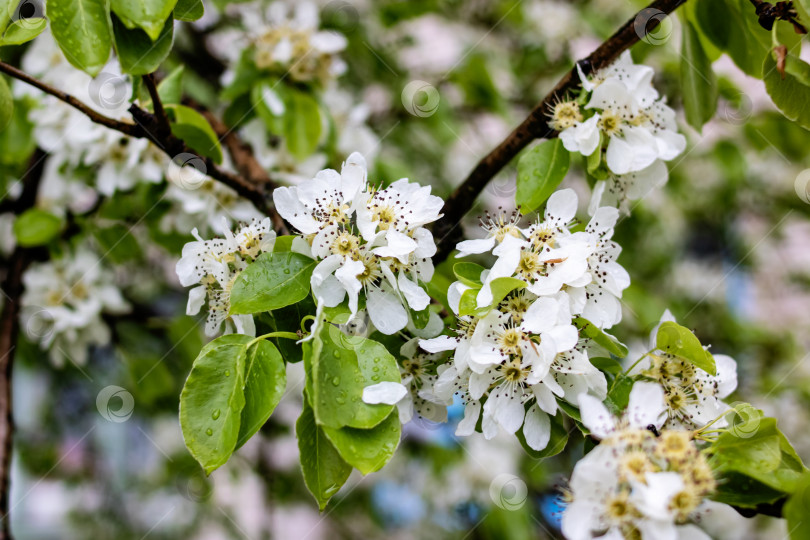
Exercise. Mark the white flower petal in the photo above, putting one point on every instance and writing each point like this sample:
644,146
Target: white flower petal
386,392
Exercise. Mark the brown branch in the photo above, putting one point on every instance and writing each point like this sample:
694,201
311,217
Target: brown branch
147,125
535,126
128,129
12,288
157,105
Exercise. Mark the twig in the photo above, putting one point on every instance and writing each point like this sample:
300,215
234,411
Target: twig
535,126
12,287
157,105
147,126
128,129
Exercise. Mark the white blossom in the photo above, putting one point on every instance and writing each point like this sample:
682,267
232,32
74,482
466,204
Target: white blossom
214,265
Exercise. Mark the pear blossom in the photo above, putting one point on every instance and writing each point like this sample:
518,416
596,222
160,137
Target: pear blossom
419,373
625,114
693,396
284,37
637,483
213,266
63,304
365,240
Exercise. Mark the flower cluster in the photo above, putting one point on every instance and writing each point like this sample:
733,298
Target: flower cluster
637,483
364,239
77,145
625,115
213,266
519,353
693,396
63,304
287,40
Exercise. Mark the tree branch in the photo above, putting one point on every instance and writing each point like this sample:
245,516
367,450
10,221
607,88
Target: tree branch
12,288
157,105
148,126
535,126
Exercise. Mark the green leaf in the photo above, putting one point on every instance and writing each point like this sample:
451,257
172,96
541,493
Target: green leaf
170,89
6,104
117,243
619,394
265,382
724,22
468,273
212,400
500,288
600,337
302,123
674,339
698,82
345,366
81,28
367,450
283,243
36,227
150,15
556,443
188,10
743,491
23,30
607,365
323,468
272,281
16,137
791,94
540,171
195,130
797,509
137,52
756,448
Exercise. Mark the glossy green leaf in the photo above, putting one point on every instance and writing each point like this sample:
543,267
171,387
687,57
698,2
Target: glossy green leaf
265,382
468,273
698,82
302,123
23,31
137,52
600,337
367,450
150,15
675,339
81,28
283,243
323,468
607,365
170,89
272,281
500,288
619,394
6,104
791,94
345,366
212,400
725,24
540,172
36,227
189,10
797,510
195,130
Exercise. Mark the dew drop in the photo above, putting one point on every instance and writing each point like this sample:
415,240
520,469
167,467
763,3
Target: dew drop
335,381
209,432
215,414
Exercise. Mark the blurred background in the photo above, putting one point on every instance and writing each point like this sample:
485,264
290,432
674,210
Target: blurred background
428,88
